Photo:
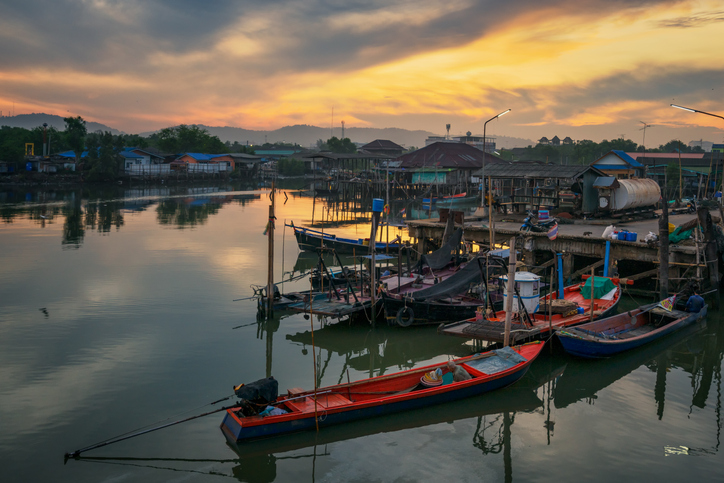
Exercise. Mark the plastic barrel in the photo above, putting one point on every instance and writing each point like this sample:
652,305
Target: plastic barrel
377,205
622,235
542,214
631,236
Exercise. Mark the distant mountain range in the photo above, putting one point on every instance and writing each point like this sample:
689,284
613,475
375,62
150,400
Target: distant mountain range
31,121
304,135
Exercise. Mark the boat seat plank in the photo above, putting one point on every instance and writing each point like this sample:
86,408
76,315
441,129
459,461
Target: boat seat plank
324,401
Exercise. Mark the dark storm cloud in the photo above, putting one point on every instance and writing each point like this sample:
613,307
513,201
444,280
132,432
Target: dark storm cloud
105,36
646,83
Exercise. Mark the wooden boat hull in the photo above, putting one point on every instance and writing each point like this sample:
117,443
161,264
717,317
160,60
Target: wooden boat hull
312,240
287,299
493,330
603,338
334,408
406,313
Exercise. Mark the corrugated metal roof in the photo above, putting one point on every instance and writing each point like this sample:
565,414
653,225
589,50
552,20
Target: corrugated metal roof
382,144
667,155
604,182
613,167
131,155
627,158
447,155
527,170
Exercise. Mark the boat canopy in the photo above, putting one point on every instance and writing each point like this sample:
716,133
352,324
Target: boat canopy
456,284
441,257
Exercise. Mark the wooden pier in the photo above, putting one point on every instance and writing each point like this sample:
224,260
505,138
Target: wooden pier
631,260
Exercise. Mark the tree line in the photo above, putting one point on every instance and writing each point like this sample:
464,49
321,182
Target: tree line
587,151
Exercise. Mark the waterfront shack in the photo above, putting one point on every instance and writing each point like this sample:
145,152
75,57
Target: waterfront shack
522,186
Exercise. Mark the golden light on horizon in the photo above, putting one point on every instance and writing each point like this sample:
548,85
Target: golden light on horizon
531,62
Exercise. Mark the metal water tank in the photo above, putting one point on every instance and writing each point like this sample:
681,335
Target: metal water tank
635,193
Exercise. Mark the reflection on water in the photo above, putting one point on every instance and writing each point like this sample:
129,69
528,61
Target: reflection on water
489,425
140,325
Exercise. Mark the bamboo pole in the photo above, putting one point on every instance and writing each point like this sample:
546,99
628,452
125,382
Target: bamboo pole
509,290
314,355
270,274
491,219
664,251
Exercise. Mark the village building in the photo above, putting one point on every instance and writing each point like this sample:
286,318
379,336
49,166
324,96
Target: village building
529,185
383,147
620,165
445,163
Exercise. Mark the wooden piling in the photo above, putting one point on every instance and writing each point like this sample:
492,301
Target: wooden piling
664,251
710,249
509,292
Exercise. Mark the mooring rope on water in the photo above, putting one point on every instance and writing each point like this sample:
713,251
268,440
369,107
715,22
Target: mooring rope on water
142,430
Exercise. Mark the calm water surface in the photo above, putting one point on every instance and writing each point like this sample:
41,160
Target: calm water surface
117,311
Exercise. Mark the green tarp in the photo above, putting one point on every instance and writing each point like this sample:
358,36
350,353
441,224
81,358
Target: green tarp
602,286
429,177
679,235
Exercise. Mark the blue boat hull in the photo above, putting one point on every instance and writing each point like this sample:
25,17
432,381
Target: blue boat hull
600,348
312,240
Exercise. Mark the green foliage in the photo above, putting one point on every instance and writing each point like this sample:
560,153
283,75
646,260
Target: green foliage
103,158
279,144
237,147
75,133
676,145
187,139
290,167
12,143
345,145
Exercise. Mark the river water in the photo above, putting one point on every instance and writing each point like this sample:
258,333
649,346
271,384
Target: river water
118,312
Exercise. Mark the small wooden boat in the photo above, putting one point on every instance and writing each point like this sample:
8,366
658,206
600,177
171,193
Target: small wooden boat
282,301
377,396
622,332
458,201
575,308
311,240
427,201
447,300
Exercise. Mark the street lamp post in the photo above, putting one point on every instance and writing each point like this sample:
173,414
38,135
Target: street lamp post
45,139
482,184
485,143
708,114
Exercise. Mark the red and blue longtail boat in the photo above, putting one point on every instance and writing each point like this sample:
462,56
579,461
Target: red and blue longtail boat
403,391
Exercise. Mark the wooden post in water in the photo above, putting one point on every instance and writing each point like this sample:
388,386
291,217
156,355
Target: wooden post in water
491,220
510,292
710,250
664,250
270,278
550,300
314,352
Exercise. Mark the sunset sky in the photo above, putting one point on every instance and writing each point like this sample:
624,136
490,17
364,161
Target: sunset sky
588,69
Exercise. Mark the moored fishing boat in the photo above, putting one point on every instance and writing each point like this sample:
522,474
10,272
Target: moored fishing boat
622,332
302,410
309,239
428,201
533,320
452,299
